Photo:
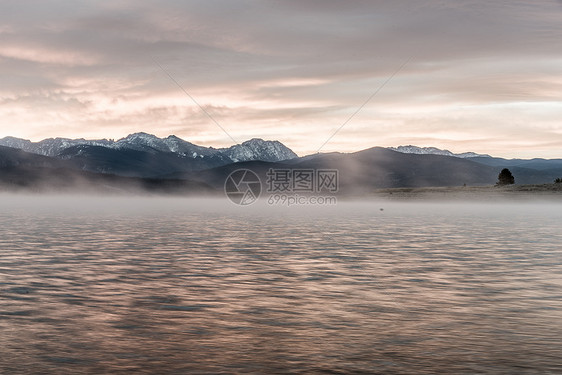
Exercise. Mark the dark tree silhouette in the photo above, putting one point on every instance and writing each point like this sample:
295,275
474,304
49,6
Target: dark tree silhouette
505,177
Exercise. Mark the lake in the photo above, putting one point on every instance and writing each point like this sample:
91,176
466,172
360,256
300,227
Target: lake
92,285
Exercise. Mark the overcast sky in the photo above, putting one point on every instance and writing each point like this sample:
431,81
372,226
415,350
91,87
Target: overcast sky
483,76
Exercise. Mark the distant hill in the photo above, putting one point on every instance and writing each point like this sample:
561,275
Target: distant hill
539,164
136,163
549,167
369,169
383,168
13,158
526,171
378,168
22,171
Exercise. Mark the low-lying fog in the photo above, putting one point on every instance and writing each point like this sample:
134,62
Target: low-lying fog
156,205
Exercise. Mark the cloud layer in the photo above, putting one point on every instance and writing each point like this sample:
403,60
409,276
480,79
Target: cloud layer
484,77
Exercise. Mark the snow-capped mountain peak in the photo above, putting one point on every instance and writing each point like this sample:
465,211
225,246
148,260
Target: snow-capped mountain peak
179,146
141,142
50,146
13,142
258,149
410,149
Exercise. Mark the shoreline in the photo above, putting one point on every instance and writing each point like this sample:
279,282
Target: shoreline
506,192
551,191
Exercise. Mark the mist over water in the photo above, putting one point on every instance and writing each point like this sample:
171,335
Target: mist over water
93,285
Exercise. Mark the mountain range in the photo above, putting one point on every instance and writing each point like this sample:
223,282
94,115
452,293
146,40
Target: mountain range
145,155
249,150
144,162
434,151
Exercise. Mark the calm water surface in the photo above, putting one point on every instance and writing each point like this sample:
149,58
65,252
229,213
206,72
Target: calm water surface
158,286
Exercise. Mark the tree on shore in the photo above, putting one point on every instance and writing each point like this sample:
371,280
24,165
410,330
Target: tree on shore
558,181
505,177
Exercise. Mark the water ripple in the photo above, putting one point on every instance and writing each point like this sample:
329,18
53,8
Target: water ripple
184,288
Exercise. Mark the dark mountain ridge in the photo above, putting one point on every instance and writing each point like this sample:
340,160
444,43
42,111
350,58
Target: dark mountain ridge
22,171
358,172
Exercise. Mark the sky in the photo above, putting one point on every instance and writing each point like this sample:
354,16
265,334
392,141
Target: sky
464,75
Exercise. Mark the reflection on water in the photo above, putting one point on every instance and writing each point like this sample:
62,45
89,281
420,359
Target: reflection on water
177,286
